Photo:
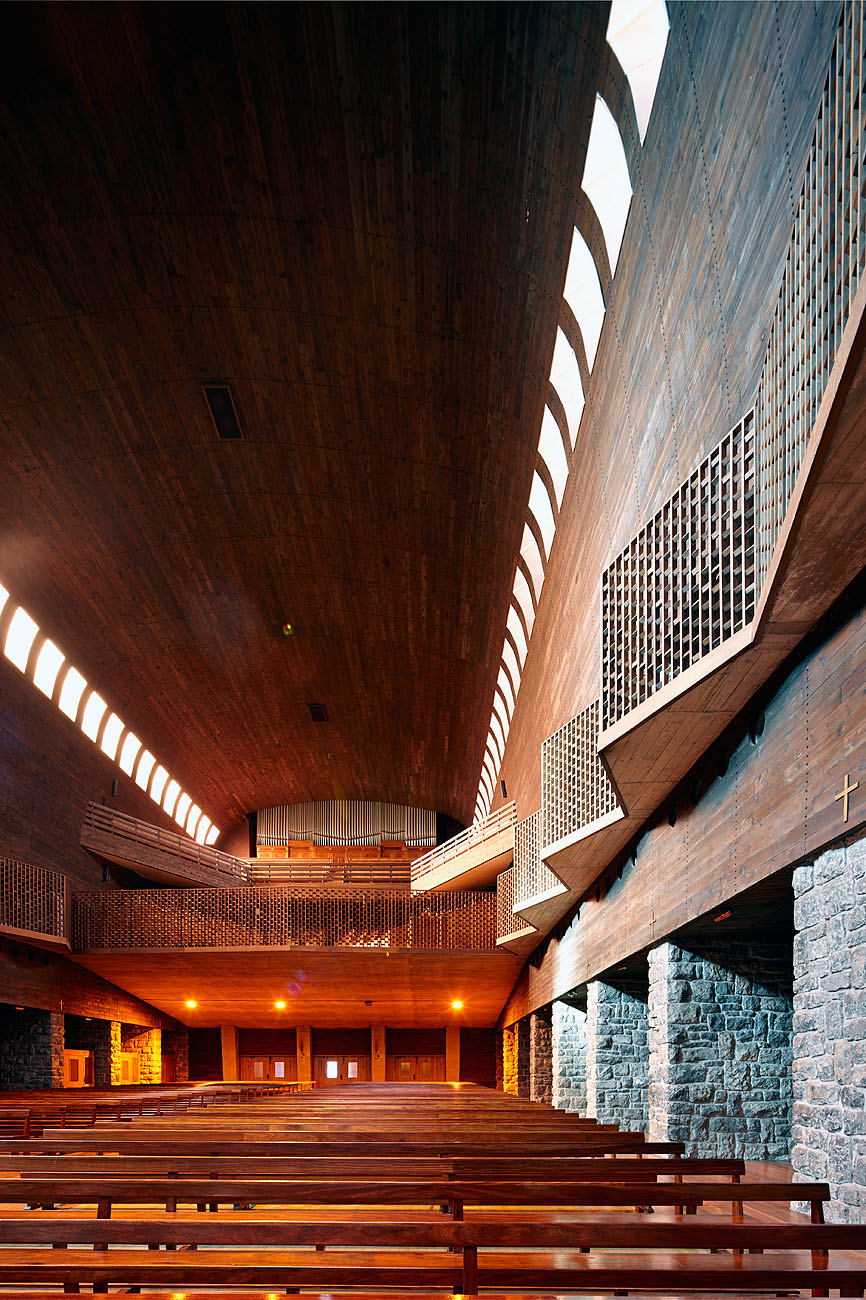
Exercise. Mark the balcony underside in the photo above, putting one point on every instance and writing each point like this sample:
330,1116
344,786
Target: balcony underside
521,941
474,867
544,910
821,549
325,987
164,868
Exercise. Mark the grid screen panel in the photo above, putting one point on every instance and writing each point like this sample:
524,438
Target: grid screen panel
822,272
685,583
575,788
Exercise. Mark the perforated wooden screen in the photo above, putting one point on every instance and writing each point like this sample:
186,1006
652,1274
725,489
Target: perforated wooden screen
685,583
506,922
575,789
32,898
531,876
279,916
822,272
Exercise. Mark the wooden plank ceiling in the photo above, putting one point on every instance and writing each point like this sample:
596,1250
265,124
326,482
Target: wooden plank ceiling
359,217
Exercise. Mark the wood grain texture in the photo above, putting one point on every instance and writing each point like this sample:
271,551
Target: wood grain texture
358,216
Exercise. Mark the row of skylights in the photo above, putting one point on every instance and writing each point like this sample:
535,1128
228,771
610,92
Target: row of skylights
56,678
637,33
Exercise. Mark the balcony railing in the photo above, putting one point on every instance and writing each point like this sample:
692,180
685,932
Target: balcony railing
685,583
531,877
576,793
132,838
293,872
470,839
32,899
283,917
822,272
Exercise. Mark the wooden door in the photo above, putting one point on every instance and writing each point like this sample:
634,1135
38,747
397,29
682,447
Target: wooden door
335,1069
77,1069
255,1067
169,1069
130,1063
415,1069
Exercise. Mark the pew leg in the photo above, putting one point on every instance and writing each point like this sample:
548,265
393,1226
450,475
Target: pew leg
71,1288
470,1270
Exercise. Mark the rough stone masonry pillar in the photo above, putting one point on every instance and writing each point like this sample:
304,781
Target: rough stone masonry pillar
509,1060
31,1048
829,1120
720,1048
89,1034
540,1056
568,1057
148,1044
616,1053
522,1039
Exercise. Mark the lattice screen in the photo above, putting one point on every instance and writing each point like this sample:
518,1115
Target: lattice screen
32,898
506,922
575,789
825,261
280,916
685,583
531,876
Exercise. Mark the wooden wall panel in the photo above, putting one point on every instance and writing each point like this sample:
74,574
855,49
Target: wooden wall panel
759,809
478,1056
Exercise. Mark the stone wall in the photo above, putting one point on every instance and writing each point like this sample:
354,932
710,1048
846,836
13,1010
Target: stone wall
568,1065
101,1037
522,1036
616,1054
31,1048
541,1056
509,1060
175,1042
148,1044
829,1121
720,1048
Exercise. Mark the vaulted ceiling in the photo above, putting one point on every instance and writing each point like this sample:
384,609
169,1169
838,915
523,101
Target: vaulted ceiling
358,216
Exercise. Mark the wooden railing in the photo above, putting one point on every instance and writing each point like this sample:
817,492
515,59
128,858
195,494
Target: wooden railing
823,269
130,832
474,836
289,872
575,789
685,583
282,916
33,899
531,876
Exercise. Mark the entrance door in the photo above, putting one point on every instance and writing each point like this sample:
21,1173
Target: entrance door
340,1069
280,1069
77,1069
415,1069
129,1067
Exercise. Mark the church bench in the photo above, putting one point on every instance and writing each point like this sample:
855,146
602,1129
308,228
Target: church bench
641,1255
132,1142
106,1193
558,1168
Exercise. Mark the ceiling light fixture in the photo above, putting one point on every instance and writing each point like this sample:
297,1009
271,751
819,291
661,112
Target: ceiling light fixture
281,1006
191,1003
456,1005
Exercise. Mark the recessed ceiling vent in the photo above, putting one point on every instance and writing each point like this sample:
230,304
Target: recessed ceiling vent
318,712
223,411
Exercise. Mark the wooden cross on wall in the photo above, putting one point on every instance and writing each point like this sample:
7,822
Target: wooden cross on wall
843,795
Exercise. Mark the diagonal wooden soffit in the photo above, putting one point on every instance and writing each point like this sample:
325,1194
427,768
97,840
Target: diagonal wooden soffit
359,216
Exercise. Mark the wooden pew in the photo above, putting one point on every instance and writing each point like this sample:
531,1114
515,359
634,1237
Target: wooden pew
544,1169
105,1193
643,1255
133,1141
